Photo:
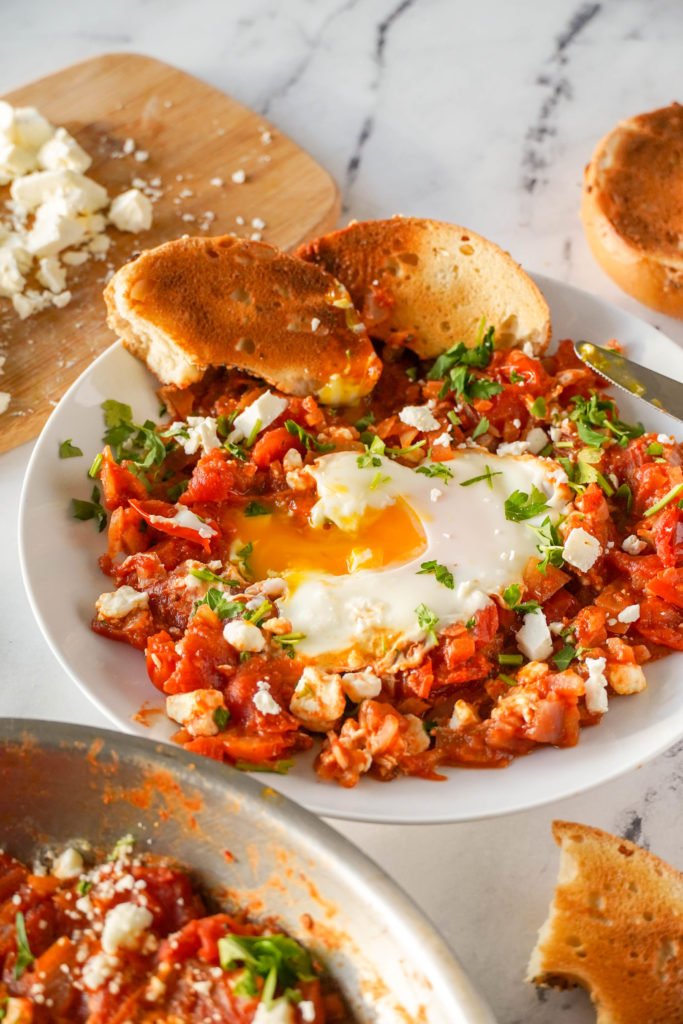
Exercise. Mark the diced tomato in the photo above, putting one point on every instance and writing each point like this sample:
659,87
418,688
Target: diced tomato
135,629
127,532
660,623
668,585
562,605
485,624
421,679
161,658
273,445
233,746
640,569
542,585
203,651
668,535
590,626
160,516
456,649
218,477
118,483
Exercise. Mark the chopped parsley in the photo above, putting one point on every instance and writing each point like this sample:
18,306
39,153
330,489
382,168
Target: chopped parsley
260,614
255,430
255,508
378,480
441,573
549,544
277,959
594,412
511,596
24,955
95,466
92,509
655,448
364,422
435,469
481,428
175,490
521,506
221,717
67,450
516,378
134,442
624,492
243,556
460,355
210,577
487,476
288,641
584,471
224,424
220,603
236,451
307,439
538,408
564,657
84,886
427,620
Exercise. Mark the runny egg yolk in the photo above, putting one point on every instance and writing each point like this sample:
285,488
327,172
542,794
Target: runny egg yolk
285,543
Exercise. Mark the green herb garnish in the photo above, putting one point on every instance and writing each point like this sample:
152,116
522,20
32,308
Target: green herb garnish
487,476
67,450
307,439
663,502
521,506
255,508
427,620
511,596
441,573
221,717
24,955
436,469
481,428
92,509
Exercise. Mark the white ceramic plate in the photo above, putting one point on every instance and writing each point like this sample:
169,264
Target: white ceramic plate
59,562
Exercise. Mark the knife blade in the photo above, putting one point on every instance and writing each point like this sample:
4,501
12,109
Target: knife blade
663,393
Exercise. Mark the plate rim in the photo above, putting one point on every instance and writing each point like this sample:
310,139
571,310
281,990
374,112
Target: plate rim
309,799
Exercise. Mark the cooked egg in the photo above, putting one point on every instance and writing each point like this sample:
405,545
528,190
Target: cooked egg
354,572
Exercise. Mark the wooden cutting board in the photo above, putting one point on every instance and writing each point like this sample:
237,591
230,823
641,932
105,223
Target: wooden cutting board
192,133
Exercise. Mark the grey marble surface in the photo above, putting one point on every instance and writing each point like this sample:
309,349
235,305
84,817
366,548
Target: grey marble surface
481,113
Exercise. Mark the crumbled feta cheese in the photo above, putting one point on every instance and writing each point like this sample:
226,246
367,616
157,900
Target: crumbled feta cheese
280,1012
118,603
69,864
418,416
264,700
581,549
629,614
141,155
596,686
555,434
443,439
216,182
244,636
315,323
131,211
239,177
666,439
98,970
633,545
258,223
435,494
5,397
124,926
128,146
318,700
533,639
195,710
201,433
257,416
360,686
537,439
51,274
307,1011
513,448
62,152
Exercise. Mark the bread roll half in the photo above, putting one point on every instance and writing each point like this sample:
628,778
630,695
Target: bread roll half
199,302
427,285
632,207
615,927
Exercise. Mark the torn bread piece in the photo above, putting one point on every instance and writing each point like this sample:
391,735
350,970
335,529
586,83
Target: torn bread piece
427,285
615,927
199,302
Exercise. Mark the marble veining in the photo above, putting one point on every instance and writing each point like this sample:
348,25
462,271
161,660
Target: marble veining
480,113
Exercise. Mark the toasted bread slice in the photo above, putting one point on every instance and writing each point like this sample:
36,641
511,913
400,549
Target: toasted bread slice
615,927
427,285
632,207
199,302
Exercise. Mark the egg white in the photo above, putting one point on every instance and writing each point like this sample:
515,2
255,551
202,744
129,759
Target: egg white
351,620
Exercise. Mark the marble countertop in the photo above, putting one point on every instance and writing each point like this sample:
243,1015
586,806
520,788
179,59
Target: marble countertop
483,114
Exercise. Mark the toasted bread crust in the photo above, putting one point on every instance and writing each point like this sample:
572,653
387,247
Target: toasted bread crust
427,284
615,927
632,207
199,302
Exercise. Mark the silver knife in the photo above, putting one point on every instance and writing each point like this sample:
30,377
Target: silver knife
664,393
